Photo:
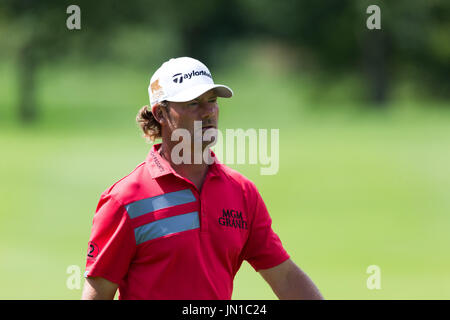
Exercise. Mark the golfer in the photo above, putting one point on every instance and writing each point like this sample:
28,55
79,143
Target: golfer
181,223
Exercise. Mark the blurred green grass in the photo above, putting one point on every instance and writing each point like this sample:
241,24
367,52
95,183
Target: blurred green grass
355,187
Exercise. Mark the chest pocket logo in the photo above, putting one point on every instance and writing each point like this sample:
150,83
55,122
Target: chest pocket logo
233,219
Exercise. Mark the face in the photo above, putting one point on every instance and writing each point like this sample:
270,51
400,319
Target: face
183,114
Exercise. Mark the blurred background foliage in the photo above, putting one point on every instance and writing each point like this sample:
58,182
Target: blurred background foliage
364,119
326,39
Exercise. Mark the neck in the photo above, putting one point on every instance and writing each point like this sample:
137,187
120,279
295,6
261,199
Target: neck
195,172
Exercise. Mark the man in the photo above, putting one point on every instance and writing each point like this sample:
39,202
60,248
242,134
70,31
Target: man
176,229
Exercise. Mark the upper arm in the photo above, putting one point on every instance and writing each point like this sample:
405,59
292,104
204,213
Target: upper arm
288,281
277,275
112,242
98,288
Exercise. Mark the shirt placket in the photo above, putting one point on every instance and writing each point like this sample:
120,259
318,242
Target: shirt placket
201,202
203,216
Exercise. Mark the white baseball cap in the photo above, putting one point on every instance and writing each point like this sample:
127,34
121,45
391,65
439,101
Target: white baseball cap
183,79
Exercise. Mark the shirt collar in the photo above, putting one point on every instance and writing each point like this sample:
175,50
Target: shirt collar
158,166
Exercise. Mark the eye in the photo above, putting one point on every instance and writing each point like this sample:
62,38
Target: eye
193,103
213,100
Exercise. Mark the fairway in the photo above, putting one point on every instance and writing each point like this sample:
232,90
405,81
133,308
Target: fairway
353,190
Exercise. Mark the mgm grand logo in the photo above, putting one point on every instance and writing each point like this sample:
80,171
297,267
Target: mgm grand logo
233,218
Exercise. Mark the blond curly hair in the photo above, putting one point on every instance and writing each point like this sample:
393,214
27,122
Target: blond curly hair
149,125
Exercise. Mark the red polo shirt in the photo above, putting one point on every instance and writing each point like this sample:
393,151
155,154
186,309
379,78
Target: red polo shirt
158,237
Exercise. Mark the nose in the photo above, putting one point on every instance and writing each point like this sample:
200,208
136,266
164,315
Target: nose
208,108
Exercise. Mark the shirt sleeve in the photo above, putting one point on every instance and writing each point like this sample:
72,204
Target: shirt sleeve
111,244
263,249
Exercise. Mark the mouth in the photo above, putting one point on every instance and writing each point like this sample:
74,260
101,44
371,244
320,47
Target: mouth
204,128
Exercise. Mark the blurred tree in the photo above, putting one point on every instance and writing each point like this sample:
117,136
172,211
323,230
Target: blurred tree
413,37
42,36
34,24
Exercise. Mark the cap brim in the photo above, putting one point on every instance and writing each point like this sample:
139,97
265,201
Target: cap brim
194,92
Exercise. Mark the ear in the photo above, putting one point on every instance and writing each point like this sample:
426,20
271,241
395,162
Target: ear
158,113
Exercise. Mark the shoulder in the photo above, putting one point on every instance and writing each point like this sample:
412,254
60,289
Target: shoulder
125,189
239,180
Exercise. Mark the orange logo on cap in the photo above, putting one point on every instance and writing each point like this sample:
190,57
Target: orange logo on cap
157,90
155,86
